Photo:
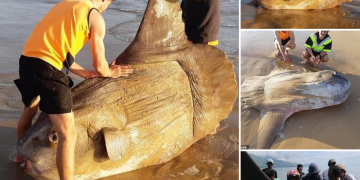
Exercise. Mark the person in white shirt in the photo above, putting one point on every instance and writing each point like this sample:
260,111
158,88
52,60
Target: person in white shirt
331,163
344,175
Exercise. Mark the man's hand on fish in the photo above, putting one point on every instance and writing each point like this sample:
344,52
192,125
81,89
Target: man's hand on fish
120,70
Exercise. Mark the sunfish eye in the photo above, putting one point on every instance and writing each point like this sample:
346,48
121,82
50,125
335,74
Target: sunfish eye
336,73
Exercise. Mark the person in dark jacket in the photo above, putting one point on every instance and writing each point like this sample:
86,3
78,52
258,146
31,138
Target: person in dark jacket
300,169
314,173
202,20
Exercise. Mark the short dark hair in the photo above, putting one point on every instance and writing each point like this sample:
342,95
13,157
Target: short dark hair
299,165
336,171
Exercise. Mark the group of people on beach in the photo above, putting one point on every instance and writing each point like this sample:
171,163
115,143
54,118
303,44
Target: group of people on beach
318,45
335,172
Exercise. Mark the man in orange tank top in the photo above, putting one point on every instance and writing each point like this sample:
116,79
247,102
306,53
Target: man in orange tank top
43,79
284,41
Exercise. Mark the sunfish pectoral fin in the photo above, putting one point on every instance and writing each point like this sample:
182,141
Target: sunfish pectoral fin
116,143
270,124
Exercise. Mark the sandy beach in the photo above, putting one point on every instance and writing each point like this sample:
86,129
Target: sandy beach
214,157
334,127
346,16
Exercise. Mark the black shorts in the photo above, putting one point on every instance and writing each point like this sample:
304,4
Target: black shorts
283,42
314,52
39,78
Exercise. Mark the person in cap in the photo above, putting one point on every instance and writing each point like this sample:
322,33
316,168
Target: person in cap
314,173
270,164
334,173
284,41
344,175
331,163
317,47
293,175
202,20
300,169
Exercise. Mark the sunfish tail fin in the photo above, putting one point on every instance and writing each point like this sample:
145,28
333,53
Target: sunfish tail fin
270,125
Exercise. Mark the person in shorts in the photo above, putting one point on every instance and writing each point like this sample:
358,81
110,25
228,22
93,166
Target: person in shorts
317,47
202,20
48,55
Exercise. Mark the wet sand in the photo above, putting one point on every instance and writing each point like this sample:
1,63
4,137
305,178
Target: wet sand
213,157
326,128
346,16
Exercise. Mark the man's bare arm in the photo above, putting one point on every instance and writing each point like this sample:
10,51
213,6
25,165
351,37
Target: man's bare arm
80,71
292,39
97,28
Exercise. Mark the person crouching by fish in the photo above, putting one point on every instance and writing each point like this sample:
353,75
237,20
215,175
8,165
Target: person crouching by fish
300,168
284,41
269,170
47,57
344,175
202,20
314,173
317,47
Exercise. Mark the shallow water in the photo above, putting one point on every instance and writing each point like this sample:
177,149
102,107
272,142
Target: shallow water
346,16
214,157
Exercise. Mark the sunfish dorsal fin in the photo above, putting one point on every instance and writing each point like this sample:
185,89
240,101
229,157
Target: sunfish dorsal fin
161,30
270,124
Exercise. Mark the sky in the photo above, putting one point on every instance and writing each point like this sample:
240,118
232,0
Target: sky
345,157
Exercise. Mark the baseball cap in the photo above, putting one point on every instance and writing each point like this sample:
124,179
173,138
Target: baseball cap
270,160
341,166
331,161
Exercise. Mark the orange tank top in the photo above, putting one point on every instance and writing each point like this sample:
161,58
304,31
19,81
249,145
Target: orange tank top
284,35
61,34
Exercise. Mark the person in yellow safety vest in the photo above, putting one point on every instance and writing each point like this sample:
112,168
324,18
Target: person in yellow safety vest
48,56
317,47
284,41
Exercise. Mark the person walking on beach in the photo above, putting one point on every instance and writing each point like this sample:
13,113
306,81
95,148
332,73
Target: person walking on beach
202,20
284,41
270,164
300,168
314,173
317,47
331,163
46,59
344,175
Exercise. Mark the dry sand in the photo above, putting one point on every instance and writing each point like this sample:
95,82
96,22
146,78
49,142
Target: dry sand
326,128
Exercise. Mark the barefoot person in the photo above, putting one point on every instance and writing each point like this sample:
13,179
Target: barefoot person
317,47
284,41
48,55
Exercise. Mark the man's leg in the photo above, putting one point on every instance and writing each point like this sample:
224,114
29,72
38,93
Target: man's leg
291,47
25,121
65,127
324,58
306,56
